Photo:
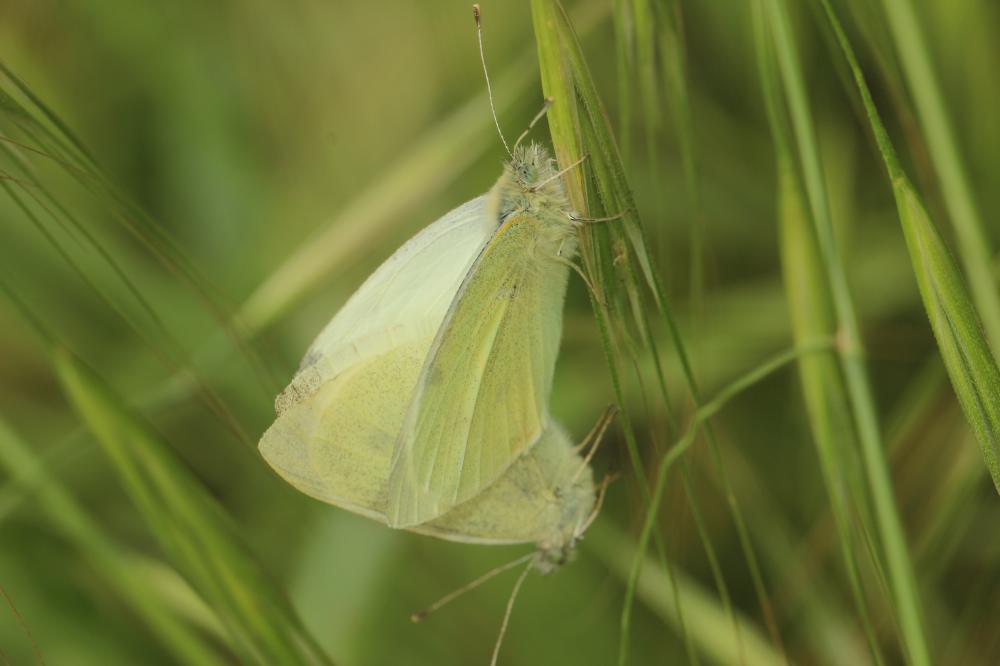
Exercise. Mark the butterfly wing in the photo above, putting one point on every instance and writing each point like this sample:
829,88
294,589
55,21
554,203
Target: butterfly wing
482,396
336,444
406,298
338,419
545,493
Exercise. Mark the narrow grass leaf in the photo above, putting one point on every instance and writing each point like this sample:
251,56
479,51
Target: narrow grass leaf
892,537
974,246
193,529
673,64
580,126
32,137
108,559
576,120
812,318
950,307
710,623
953,317
823,389
686,441
624,24
46,136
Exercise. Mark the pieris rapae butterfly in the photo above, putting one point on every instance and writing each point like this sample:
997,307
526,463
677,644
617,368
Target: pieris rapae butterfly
424,402
446,353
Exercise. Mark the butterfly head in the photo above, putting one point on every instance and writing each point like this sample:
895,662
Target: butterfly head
533,172
577,503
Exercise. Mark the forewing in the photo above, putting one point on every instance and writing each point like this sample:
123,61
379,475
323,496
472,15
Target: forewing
405,299
337,421
483,391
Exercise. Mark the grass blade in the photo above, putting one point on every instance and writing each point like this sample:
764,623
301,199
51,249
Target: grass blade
887,520
974,246
103,555
196,533
812,317
949,305
578,124
709,622
687,440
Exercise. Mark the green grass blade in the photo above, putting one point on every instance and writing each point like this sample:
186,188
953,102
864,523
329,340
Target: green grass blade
686,441
953,317
624,24
812,316
572,126
578,123
823,387
164,347
195,532
48,137
674,71
108,559
568,137
888,522
975,248
950,308
710,624
32,138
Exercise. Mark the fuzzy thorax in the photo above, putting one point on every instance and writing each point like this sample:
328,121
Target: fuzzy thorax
530,185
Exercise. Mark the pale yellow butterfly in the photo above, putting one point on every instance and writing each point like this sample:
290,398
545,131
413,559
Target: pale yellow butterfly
423,403
340,419
433,380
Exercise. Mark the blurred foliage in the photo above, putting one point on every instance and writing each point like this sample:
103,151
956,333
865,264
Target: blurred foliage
189,191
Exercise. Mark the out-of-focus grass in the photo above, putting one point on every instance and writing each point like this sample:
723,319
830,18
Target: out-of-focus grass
237,170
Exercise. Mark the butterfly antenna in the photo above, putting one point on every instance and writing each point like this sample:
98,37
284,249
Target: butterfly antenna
506,615
477,14
534,121
448,598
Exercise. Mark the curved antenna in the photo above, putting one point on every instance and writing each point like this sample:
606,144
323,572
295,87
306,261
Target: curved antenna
476,13
455,594
506,615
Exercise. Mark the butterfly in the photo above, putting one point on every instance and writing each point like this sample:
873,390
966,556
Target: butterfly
423,403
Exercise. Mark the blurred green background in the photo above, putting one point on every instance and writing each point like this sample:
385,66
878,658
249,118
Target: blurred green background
278,152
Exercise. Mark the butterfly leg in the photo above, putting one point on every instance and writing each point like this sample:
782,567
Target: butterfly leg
579,271
534,121
601,492
558,174
594,437
590,220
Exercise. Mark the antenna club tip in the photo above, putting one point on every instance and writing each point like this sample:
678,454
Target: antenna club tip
418,616
476,12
